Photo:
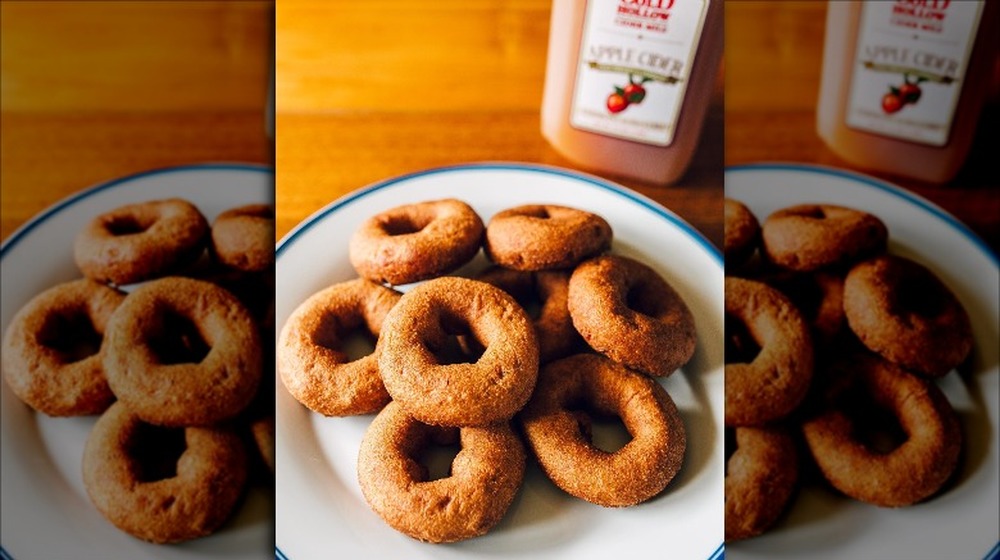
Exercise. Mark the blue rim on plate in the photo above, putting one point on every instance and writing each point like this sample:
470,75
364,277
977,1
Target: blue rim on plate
643,201
900,192
886,186
289,238
44,215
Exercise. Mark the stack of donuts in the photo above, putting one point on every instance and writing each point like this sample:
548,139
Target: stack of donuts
161,338
832,352
520,356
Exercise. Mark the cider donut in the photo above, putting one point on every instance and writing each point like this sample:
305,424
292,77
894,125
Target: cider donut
243,237
418,328
761,474
742,233
51,350
415,242
141,241
182,352
311,359
549,291
163,485
819,297
769,354
808,237
485,476
545,237
901,310
635,473
625,310
885,474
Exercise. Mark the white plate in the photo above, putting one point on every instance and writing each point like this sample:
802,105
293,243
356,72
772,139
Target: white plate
963,521
319,506
45,510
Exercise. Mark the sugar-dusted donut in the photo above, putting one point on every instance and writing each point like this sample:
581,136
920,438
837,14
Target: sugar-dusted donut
311,359
808,237
590,383
484,478
417,241
51,350
900,309
545,237
769,354
625,310
243,237
741,233
468,393
548,291
761,473
141,241
163,485
885,469
182,352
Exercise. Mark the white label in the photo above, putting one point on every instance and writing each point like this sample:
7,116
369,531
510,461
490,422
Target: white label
910,65
633,68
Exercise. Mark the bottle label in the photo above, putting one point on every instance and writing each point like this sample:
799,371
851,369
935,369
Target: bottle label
909,67
633,68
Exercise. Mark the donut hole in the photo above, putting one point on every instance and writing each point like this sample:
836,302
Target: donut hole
127,225
404,224
264,212
72,335
919,296
438,454
741,346
155,451
344,334
456,343
872,424
642,298
177,340
539,212
603,429
813,212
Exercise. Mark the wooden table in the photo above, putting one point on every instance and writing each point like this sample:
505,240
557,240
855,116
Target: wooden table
168,84
774,54
367,94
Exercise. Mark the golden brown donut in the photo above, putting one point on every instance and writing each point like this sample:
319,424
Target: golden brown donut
485,476
243,237
769,357
635,473
625,310
141,241
490,389
545,237
548,290
742,233
761,474
808,237
900,309
311,358
182,352
51,350
819,297
162,485
417,241
886,470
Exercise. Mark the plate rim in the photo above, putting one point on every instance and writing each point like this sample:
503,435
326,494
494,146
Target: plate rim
53,209
881,184
46,213
893,189
295,233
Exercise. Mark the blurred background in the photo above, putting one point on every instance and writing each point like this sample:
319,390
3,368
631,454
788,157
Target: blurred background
774,56
368,91
91,91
